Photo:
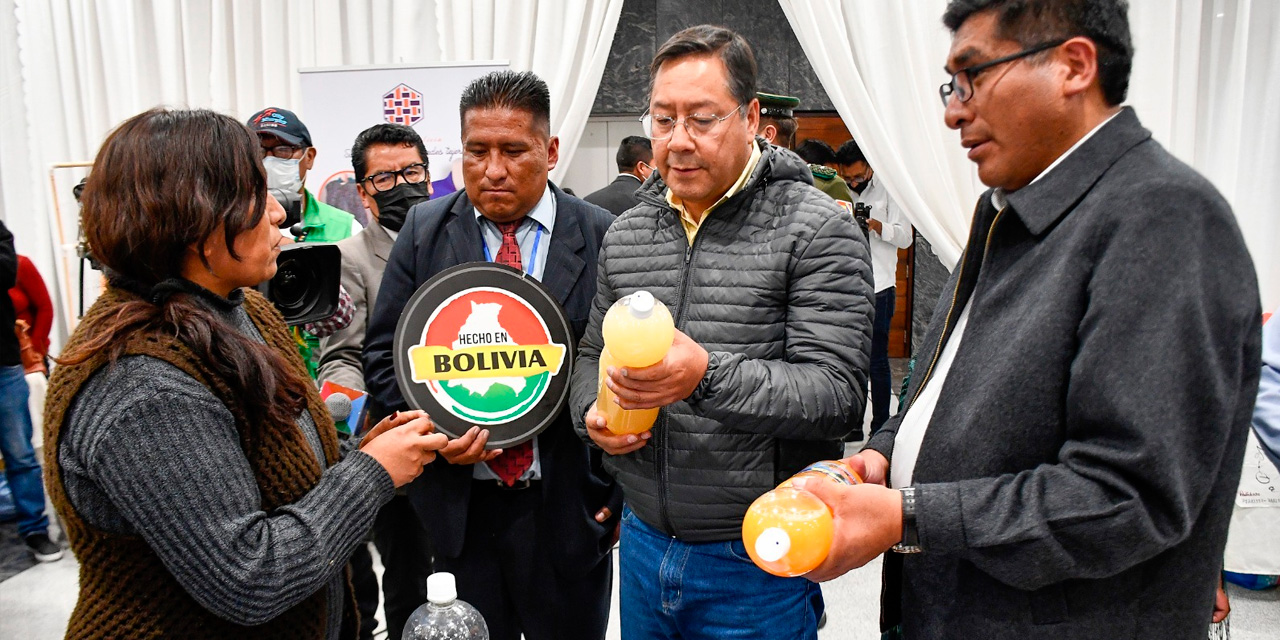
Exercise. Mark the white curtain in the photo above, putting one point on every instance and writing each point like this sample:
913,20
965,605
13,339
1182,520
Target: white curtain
881,64
565,42
70,70
1204,81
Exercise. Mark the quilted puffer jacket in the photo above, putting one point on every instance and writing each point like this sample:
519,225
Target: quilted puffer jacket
777,288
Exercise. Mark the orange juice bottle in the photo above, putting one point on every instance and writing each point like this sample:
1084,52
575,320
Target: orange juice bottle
638,331
787,531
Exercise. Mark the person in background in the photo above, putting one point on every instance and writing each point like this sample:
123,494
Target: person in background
888,231
236,515
635,163
390,163
21,467
1266,413
822,161
287,155
1069,458
769,283
777,119
32,304
526,530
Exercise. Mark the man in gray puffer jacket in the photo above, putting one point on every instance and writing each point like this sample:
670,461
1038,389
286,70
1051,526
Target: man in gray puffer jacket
769,282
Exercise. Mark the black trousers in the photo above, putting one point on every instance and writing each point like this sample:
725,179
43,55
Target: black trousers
405,548
505,573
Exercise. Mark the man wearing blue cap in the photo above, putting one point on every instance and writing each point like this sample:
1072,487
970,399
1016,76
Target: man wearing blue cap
287,155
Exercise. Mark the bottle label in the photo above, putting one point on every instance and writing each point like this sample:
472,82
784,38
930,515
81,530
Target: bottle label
833,470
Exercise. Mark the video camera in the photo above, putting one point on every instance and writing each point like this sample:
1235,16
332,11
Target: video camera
305,287
862,213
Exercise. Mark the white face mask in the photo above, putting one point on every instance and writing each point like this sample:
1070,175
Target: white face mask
282,175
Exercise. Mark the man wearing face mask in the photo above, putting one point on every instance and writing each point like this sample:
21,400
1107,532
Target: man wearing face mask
287,155
888,231
391,167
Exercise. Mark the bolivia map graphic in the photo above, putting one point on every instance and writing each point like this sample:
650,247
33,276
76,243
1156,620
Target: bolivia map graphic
486,356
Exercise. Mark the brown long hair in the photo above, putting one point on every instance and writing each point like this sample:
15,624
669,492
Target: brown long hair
163,182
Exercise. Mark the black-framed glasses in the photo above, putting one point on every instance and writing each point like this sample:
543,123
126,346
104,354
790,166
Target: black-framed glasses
961,84
281,151
658,127
413,174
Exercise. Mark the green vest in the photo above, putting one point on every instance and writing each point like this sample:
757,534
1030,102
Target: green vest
322,223
830,183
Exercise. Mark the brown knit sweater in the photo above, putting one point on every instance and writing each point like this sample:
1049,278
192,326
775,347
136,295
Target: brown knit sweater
125,589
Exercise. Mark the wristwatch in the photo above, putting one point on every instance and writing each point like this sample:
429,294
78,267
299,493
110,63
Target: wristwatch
910,534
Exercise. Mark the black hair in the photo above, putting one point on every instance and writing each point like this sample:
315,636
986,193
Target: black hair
1034,22
850,153
632,150
396,135
815,151
735,53
508,89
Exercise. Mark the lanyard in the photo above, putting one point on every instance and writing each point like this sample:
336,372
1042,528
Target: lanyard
533,255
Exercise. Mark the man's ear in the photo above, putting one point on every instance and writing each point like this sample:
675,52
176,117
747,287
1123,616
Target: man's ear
367,199
770,133
1079,55
553,152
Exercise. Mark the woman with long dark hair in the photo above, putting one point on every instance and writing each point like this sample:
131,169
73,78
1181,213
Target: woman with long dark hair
196,470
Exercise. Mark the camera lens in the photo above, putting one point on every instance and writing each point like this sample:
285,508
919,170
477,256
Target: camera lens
290,290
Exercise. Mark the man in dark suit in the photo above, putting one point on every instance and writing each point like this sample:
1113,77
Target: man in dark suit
1068,462
529,545
635,163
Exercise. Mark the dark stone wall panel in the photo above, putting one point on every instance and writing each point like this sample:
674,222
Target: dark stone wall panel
624,87
646,24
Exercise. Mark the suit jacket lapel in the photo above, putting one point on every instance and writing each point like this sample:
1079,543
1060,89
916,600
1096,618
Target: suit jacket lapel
379,241
462,234
564,259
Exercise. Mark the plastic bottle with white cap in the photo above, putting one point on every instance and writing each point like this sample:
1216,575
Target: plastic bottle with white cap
444,616
788,532
638,332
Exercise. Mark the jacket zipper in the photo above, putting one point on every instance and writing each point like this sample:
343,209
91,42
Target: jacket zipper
660,438
955,294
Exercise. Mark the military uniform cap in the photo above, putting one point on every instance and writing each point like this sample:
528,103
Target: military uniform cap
777,106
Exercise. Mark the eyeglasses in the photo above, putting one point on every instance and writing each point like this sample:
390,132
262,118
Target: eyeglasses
283,151
696,125
413,174
961,84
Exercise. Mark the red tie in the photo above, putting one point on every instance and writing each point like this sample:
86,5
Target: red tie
515,460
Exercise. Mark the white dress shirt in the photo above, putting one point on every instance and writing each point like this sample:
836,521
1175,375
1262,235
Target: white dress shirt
535,228
894,233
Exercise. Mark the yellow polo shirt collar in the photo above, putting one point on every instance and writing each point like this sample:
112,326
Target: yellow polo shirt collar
691,225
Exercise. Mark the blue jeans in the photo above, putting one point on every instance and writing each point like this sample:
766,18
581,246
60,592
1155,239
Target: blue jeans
674,589
21,468
881,376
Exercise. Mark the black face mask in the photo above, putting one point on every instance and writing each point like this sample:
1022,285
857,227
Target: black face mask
858,187
394,205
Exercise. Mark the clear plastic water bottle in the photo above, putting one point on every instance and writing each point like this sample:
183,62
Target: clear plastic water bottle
444,616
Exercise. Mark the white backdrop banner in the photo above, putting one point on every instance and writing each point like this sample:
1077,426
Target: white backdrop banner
338,103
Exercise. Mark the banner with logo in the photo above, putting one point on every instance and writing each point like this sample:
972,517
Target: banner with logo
339,103
484,344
